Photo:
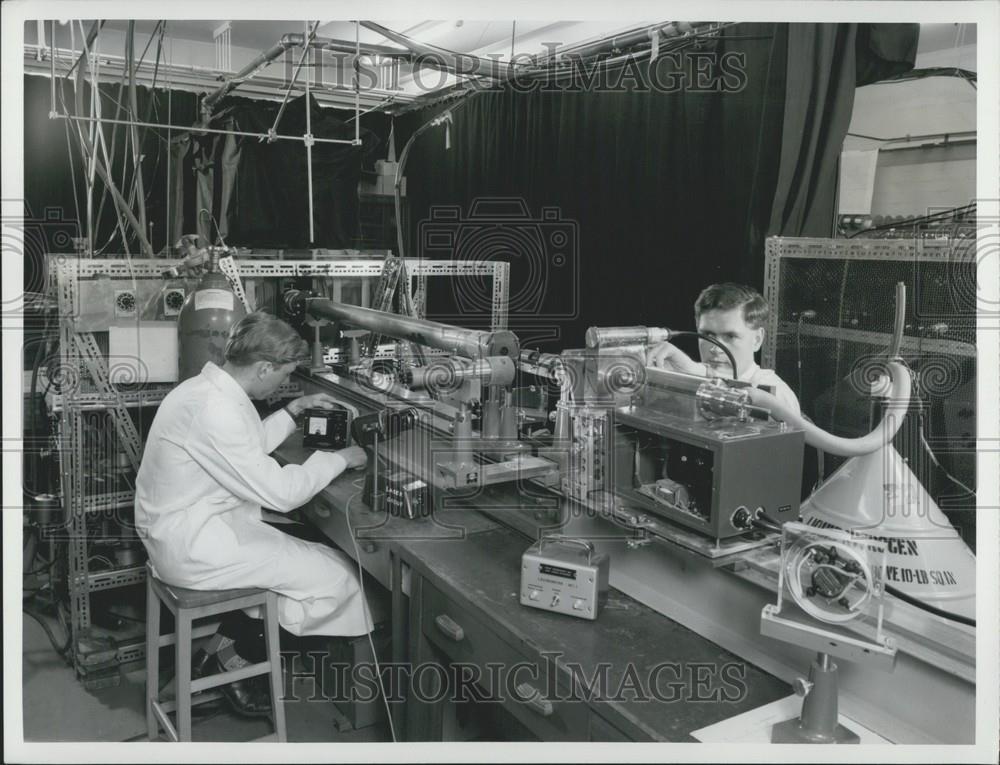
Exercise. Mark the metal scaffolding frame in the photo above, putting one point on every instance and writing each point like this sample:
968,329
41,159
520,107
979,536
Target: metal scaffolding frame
87,388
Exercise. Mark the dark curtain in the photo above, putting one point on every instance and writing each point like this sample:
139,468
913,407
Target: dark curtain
883,51
51,166
262,194
825,63
663,192
819,99
658,192
256,191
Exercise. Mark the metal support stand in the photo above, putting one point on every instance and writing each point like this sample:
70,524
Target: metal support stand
818,722
318,365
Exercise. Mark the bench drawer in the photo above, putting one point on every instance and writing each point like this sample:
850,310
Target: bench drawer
523,683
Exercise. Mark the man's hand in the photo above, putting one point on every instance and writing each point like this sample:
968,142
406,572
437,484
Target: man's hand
354,456
315,401
673,359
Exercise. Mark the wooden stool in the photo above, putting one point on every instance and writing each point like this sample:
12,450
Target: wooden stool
187,606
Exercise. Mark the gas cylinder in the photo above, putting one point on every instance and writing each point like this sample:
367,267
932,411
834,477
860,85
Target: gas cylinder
206,317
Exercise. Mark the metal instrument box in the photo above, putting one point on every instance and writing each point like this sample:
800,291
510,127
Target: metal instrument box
326,429
564,575
407,496
702,474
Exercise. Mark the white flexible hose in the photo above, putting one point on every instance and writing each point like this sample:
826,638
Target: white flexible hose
899,402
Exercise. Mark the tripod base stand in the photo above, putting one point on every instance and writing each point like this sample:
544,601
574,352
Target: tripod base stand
818,722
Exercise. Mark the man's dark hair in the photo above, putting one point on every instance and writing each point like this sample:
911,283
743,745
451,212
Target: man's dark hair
729,295
259,336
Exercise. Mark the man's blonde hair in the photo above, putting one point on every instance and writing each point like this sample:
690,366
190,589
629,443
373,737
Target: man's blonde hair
259,336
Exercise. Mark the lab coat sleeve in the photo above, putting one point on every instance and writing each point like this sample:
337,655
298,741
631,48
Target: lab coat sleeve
224,445
277,427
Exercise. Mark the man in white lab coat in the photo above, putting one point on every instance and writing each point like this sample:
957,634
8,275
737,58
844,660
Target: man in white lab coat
205,475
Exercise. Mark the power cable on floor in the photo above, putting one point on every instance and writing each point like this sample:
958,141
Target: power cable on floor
364,599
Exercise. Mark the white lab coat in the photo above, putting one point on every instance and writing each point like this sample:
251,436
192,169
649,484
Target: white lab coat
205,474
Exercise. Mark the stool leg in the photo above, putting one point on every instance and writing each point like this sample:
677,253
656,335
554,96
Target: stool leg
183,675
152,659
273,647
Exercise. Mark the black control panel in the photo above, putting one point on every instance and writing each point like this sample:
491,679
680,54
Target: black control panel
326,428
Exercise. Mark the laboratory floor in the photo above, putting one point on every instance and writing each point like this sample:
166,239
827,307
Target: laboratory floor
57,707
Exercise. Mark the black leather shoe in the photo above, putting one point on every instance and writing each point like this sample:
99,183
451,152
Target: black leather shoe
246,697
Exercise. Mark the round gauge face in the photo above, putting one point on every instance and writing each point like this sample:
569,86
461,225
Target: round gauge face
829,580
125,302
174,300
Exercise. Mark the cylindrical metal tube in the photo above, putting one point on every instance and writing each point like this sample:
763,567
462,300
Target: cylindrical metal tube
561,431
496,370
716,399
508,418
713,396
469,343
309,159
52,70
900,320
608,336
676,382
545,365
818,720
266,57
489,426
443,374
204,322
295,39
463,423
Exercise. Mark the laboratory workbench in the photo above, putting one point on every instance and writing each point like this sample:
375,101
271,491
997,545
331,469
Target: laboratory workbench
461,633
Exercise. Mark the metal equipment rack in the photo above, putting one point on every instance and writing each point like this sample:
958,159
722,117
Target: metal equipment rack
819,314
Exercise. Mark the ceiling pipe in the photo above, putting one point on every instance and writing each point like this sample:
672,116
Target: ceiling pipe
445,60
669,30
230,84
287,41
437,58
191,78
678,33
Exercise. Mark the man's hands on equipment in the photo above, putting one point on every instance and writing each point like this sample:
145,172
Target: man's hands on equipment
354,456
297,406
668,356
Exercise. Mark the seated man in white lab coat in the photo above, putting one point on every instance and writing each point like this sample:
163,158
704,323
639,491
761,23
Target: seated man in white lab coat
205,475
735,315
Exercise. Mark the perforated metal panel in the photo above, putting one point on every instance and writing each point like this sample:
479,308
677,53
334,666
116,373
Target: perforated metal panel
831,359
